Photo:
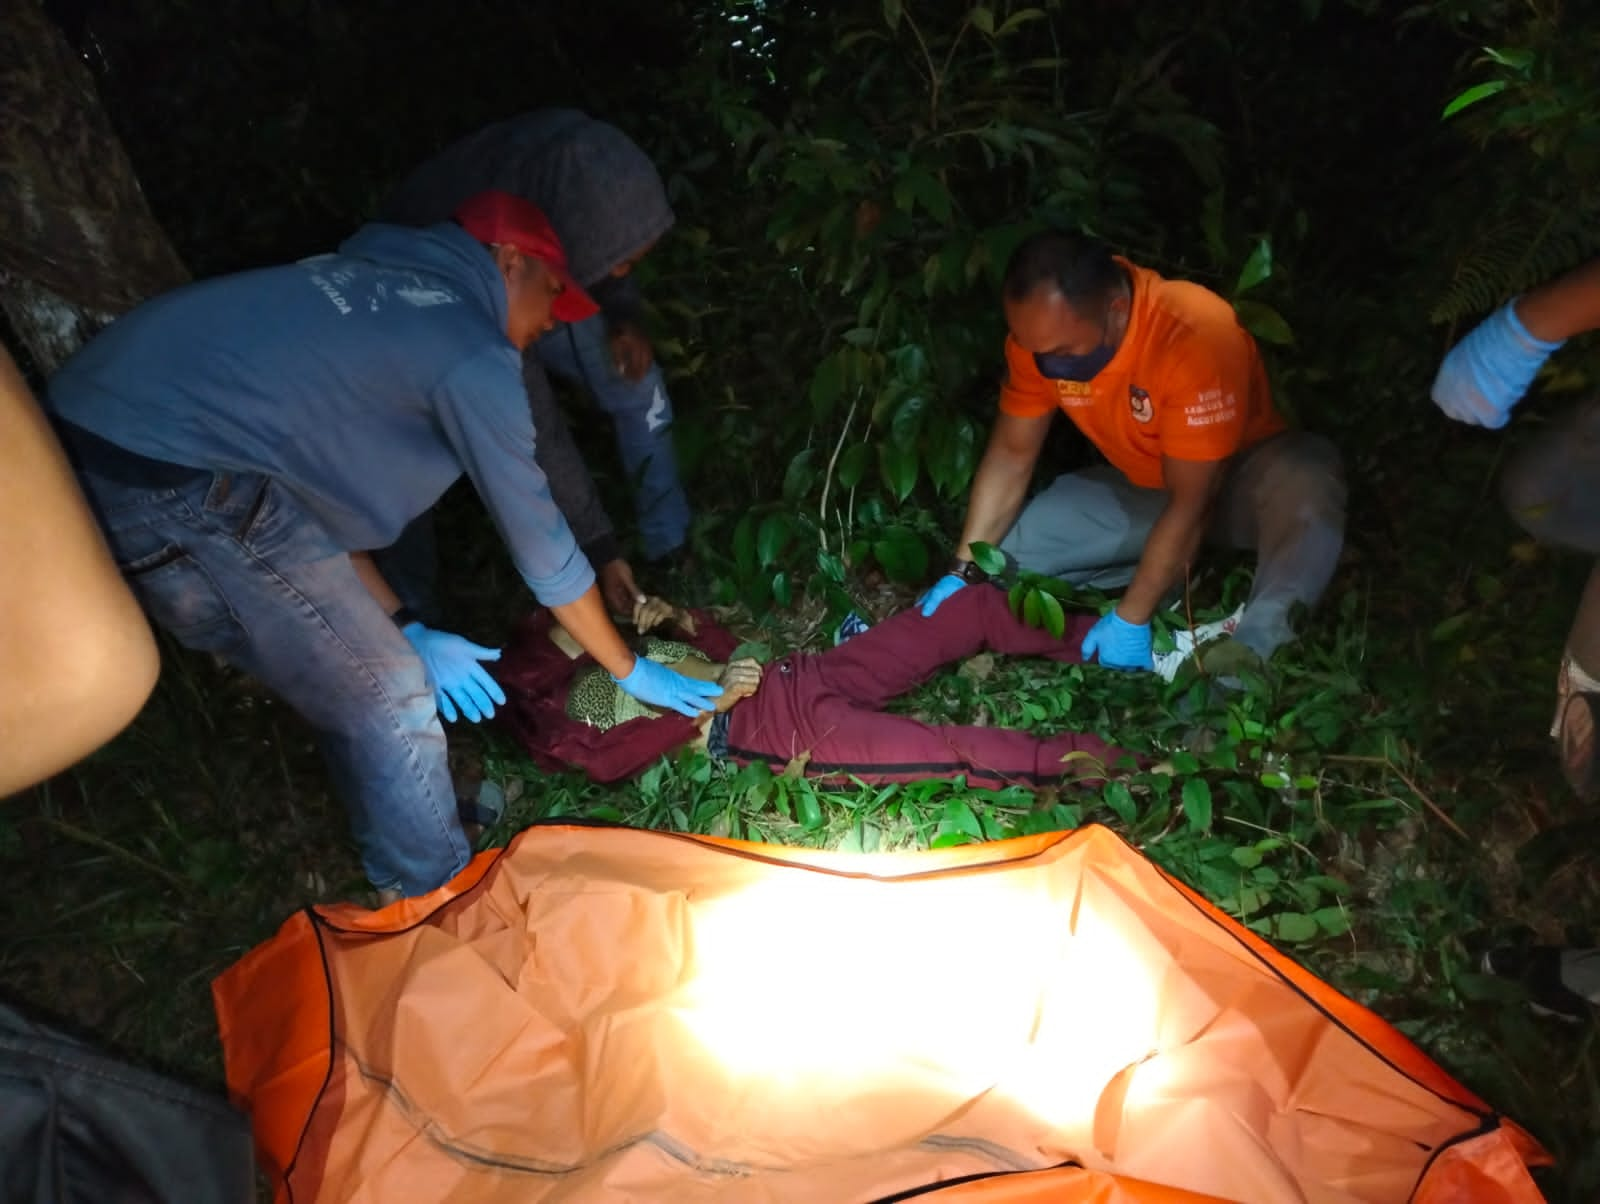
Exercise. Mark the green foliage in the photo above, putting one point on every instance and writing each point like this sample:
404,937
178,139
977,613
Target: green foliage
1532,198
849,180
894,175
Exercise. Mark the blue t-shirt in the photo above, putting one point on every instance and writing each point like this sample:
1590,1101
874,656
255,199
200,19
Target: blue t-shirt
366,381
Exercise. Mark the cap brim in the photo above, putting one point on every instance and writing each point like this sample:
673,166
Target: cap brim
571,304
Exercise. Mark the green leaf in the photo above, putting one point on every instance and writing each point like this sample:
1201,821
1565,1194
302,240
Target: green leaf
1517,60
801,472
910,363
1266,323
1197,804
1016,597
1295,927
1335,921
773,538
1211,225
988,558
1017,19
891,13
1055,621
827,386
755,648
1472,96
744,545
899,468
1244,856
902,554
953,455
959,817
782,590
907,422
832,567
982,19
1033,609
1119,798
807,808
1257,268
853,464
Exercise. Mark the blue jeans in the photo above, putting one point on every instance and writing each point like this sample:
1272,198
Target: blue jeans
232,564
581,353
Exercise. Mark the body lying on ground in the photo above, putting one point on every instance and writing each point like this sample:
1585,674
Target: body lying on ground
823,709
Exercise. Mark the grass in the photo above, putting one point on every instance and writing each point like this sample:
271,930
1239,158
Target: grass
1385,807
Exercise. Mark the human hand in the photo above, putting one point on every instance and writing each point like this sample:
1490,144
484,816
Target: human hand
1119,643
662,687
631,353
652,612
738,679
936,593
1486,373
457,678
618,588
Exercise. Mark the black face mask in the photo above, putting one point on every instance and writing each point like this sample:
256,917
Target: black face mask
1075,367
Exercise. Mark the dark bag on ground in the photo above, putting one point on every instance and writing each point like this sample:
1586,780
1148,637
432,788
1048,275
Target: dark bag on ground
78,1126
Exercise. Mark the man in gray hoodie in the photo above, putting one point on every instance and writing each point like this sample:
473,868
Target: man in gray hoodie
606,201
247,441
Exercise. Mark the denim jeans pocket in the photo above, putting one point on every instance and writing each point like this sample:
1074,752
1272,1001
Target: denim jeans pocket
184,599
270,521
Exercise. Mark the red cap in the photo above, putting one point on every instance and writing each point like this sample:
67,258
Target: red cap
499,217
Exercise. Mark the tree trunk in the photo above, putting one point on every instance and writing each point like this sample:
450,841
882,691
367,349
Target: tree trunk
78,243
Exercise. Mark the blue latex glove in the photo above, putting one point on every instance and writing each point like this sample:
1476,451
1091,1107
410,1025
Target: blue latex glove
457,677
668,689
1119,643
936,593
1486,373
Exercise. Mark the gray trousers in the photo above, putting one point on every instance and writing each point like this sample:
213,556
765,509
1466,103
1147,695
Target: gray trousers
1552,489
1284,497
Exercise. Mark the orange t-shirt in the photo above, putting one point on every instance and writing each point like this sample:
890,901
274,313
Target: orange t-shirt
1186,382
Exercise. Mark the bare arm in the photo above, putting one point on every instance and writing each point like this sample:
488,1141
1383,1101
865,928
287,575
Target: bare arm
76,654
1001,481
1566,306
588,623
1192,486
367,569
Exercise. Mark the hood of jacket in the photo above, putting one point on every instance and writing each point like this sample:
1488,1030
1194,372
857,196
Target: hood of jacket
443,250
600,191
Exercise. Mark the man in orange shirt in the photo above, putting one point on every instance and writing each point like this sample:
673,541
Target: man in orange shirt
1165,382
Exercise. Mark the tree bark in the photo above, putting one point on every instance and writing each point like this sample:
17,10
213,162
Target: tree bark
78,243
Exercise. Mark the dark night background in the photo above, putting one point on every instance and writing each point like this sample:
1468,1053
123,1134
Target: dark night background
848,178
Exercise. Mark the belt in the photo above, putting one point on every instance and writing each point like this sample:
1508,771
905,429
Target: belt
96,455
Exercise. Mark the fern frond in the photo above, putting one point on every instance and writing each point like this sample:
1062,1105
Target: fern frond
1509,254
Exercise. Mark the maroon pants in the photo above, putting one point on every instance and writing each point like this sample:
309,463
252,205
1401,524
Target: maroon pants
830,704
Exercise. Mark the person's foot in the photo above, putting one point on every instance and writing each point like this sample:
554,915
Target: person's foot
850,626
1184,643
480,811
1538,968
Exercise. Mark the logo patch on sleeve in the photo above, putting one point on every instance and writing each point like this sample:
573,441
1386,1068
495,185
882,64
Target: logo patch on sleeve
1139,404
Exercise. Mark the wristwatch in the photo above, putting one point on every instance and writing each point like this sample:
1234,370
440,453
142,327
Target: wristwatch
967,570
